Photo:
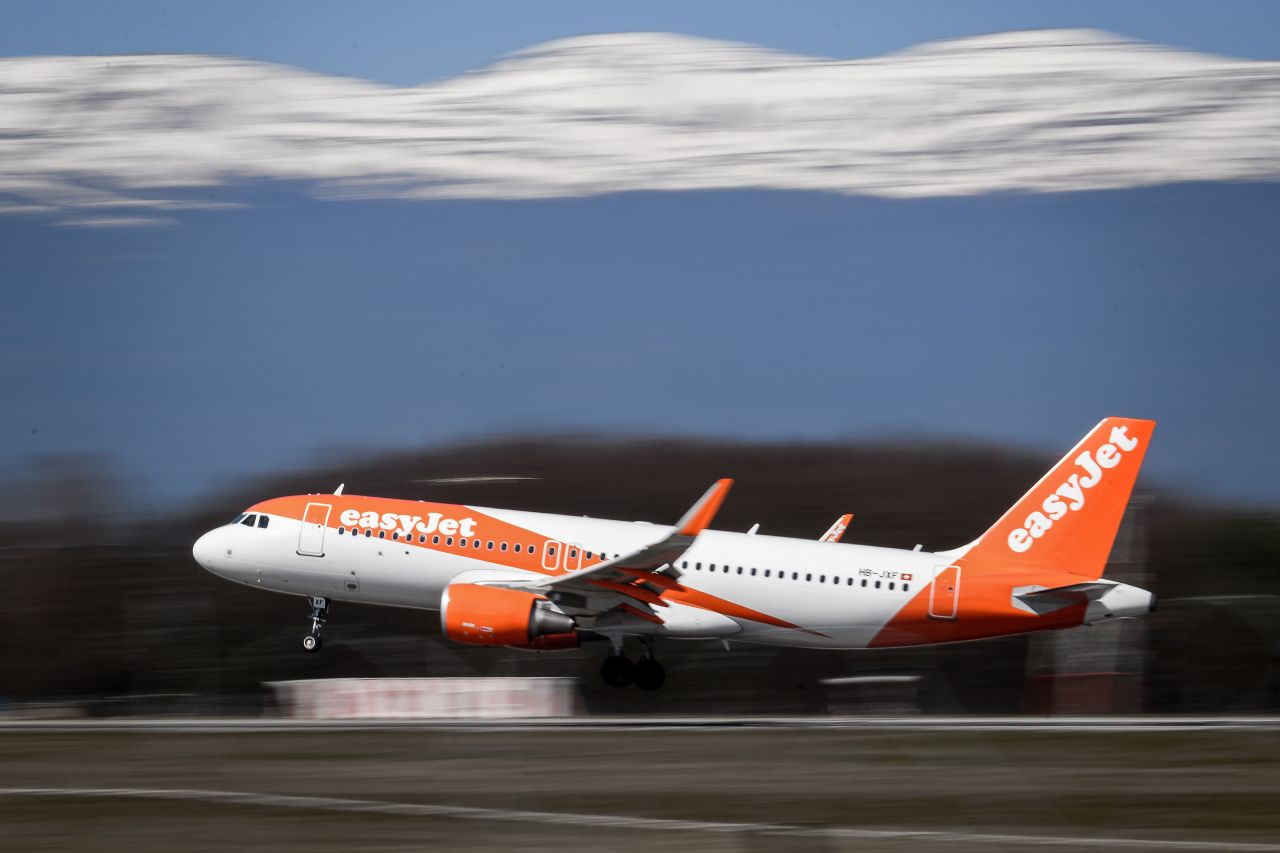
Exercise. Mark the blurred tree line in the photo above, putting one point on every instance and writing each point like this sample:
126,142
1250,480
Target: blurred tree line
104,604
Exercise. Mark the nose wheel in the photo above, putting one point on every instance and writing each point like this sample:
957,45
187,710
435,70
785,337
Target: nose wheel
319,611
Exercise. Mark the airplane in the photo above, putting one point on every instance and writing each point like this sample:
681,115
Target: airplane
545,582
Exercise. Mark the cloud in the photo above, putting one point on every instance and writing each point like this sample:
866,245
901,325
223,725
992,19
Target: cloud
1035,111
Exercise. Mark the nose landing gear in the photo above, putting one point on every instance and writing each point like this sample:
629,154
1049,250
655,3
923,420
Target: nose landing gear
319,611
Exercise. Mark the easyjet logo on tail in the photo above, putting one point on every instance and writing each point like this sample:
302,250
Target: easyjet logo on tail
1070,495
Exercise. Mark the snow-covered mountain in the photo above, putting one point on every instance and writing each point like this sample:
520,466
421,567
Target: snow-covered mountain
109,139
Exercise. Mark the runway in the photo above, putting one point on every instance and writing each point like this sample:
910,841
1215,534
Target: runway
1093,725
643,784
632,823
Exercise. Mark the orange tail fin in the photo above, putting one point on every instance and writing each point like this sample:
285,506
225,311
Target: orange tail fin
1068,521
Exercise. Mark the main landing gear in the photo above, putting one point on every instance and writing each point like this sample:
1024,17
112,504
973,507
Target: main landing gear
646,673
319,611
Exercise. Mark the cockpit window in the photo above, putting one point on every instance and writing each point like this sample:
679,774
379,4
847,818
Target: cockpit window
248,520
239,518
262,521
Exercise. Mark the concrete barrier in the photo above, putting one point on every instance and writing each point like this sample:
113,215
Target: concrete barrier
427,698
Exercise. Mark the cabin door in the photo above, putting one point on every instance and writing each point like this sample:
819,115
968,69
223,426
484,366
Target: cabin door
311,536
944,596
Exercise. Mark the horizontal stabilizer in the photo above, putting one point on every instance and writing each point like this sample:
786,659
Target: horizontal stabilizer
1042,601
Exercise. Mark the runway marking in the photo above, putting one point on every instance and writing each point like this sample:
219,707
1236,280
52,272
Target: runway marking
1077,725
336,804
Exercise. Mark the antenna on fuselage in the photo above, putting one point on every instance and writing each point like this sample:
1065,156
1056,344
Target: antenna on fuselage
338,490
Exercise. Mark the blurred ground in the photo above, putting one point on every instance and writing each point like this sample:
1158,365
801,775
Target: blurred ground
107,614
1211,787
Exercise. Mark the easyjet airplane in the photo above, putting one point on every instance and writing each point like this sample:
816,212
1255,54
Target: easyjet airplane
545,582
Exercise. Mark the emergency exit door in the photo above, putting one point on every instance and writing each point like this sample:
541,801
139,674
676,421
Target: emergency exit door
311,536
944,596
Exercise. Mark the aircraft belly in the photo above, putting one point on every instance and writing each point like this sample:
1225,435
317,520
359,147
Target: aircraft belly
843,618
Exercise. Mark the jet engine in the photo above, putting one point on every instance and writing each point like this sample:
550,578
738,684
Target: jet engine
496,616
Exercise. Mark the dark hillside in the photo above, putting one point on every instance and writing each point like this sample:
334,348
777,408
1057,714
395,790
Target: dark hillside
121,610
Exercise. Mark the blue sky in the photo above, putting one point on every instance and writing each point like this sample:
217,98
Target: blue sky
239,341
406,43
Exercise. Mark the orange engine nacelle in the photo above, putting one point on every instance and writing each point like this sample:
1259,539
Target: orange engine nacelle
494,616
552,643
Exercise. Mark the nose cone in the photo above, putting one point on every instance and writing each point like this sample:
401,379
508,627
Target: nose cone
206,550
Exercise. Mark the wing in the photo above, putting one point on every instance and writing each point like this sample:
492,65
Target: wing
631,584
835,531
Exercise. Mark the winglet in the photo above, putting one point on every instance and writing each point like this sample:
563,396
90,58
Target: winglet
835,531
700,514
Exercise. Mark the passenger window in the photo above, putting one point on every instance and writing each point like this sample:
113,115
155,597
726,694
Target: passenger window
822,578
462,543
435,540
808,577
890,584
449,541
341,530
753,573
422,539
711,567
396,535
850,582
573,553
726,570
877,584
533,550
517,547
551,551
502,547
248,520
766,573
906,587
795,576
262,521
382,534
475,543
368,533
864,583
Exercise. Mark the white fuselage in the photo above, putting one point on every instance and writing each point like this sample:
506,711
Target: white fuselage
816,594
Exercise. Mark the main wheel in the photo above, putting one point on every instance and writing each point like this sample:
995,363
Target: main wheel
617,671
649,674
311,643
